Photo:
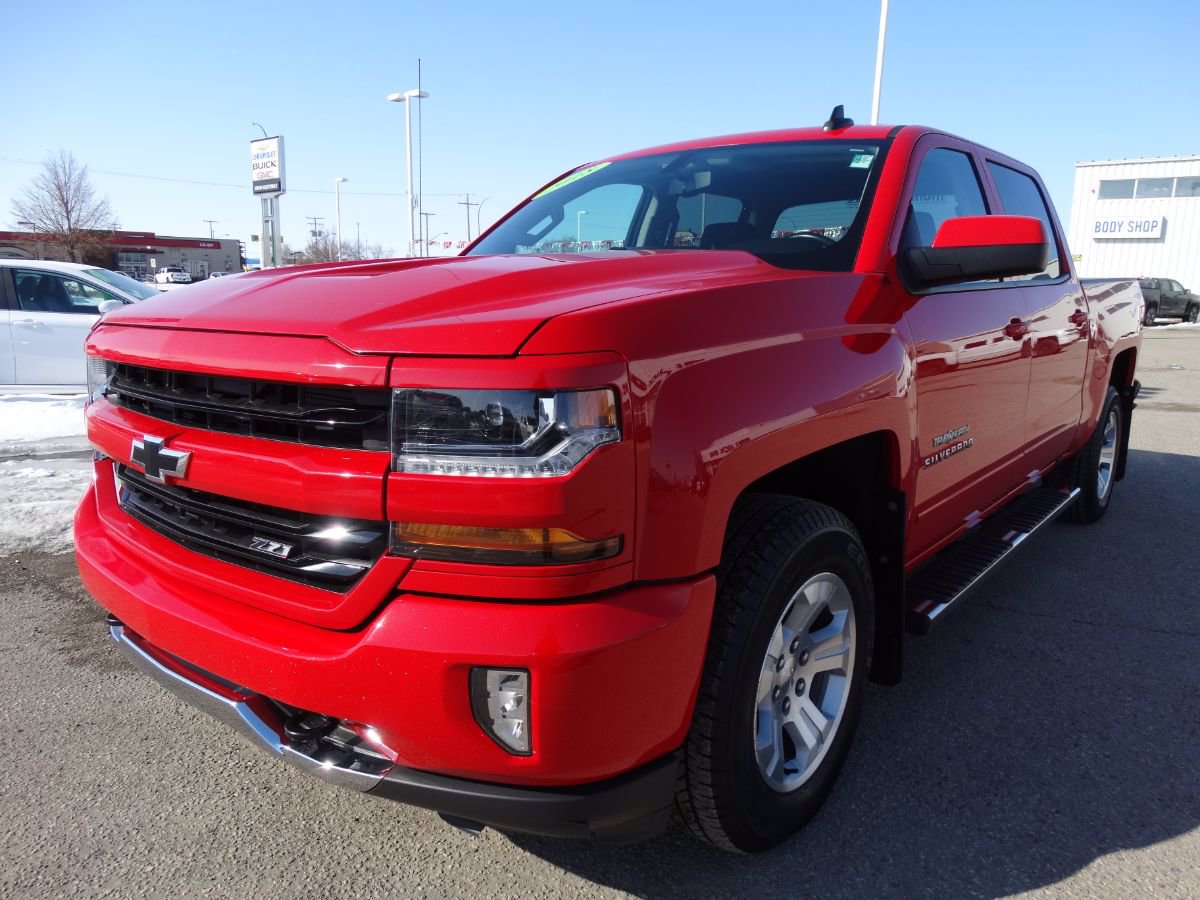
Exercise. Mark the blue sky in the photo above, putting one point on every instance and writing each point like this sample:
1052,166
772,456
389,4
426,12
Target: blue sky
521,93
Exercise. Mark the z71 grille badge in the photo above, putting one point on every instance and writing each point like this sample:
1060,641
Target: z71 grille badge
274,548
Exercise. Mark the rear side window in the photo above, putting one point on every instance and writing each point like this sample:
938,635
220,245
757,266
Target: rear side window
1020,196
947,187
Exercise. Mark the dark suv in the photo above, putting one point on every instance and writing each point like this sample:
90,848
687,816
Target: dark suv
1165,297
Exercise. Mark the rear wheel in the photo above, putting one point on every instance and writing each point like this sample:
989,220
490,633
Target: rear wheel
1151,314
783,681
1094,467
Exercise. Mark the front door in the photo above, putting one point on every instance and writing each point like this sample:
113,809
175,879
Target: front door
53,314
972,362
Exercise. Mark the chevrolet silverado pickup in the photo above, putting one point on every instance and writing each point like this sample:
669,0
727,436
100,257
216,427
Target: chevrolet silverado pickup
613,516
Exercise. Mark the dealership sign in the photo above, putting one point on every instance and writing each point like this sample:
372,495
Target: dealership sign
1140,228
266,166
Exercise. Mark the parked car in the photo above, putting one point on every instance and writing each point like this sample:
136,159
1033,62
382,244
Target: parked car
1166,297
46,311
172,275
219,274
563,541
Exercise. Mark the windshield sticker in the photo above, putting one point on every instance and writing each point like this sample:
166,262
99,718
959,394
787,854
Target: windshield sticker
862,160
574,176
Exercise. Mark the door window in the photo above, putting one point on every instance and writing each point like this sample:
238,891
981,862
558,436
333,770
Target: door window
947,187
49,292
1174,287
1020,196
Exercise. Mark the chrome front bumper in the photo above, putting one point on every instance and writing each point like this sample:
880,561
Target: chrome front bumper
255,717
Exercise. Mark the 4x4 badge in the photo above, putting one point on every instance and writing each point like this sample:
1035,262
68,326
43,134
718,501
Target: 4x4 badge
156,461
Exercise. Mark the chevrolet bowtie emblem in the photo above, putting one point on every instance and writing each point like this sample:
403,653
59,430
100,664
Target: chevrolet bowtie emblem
156,461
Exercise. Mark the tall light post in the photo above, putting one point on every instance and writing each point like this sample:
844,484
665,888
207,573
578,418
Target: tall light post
579,225
406,97
337,190
479,214
883,15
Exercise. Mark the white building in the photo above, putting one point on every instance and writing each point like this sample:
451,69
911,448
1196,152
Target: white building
1137,217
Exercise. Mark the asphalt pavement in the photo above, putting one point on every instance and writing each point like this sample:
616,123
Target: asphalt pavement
1045,740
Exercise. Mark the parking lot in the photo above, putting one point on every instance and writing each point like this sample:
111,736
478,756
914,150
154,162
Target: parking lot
1044,740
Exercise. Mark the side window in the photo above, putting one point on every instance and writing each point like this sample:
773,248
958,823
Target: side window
1176,287
47,292
1020,196
947,187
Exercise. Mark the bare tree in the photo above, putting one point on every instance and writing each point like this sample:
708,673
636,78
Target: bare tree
61,203
324,248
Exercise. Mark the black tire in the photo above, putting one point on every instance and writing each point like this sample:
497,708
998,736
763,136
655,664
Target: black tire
1084,469
775,544
1191,314
1151,314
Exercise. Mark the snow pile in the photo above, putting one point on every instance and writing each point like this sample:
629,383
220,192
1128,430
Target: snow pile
37,501
41,423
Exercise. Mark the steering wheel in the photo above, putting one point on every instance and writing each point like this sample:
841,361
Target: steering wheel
823,239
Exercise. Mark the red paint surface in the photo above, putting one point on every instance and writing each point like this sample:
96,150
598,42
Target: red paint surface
727,368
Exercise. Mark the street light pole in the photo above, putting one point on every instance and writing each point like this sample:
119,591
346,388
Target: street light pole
579,225
337,190
883,16
406,97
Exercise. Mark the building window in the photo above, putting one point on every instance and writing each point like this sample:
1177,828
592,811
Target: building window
1148,188
1188,187
1116,190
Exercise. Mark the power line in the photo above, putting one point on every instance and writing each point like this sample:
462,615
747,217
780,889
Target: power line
468,204
224,184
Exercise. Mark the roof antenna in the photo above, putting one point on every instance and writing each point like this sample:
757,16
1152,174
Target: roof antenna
837,119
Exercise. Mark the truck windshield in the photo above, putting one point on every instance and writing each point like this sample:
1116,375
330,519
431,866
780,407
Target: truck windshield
796,205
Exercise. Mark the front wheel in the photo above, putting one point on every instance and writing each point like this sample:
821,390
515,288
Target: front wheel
1094,468
783,680
1191,314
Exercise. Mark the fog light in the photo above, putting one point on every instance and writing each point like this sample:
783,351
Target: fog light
500,702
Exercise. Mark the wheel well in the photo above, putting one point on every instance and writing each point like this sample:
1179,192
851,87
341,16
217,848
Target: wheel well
859,479
1121,374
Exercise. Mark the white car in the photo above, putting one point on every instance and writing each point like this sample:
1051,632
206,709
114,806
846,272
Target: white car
172,275
46,310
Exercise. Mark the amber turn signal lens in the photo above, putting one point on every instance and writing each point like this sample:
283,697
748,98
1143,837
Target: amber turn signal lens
504,546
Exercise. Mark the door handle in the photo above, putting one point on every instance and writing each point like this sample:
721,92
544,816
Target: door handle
1016,329
29,323
1078,318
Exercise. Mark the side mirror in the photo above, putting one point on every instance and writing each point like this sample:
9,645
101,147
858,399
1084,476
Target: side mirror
107,306
971,248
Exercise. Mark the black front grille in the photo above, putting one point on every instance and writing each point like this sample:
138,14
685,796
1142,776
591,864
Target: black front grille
345,417
321,551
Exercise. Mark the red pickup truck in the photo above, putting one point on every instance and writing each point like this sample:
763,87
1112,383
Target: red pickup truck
615,514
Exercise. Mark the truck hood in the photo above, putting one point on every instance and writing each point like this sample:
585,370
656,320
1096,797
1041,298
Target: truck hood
458,306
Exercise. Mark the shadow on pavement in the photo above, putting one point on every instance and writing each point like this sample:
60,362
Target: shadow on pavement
1051,721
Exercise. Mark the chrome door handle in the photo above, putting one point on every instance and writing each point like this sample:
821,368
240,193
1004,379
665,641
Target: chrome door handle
29,323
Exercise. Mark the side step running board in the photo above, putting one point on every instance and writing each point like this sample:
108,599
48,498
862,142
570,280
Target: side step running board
952,575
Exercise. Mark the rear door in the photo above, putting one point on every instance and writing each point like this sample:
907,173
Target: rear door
1174,298
1057,318
53,314
972,358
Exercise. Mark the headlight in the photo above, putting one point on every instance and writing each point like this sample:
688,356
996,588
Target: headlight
500,434
99,371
